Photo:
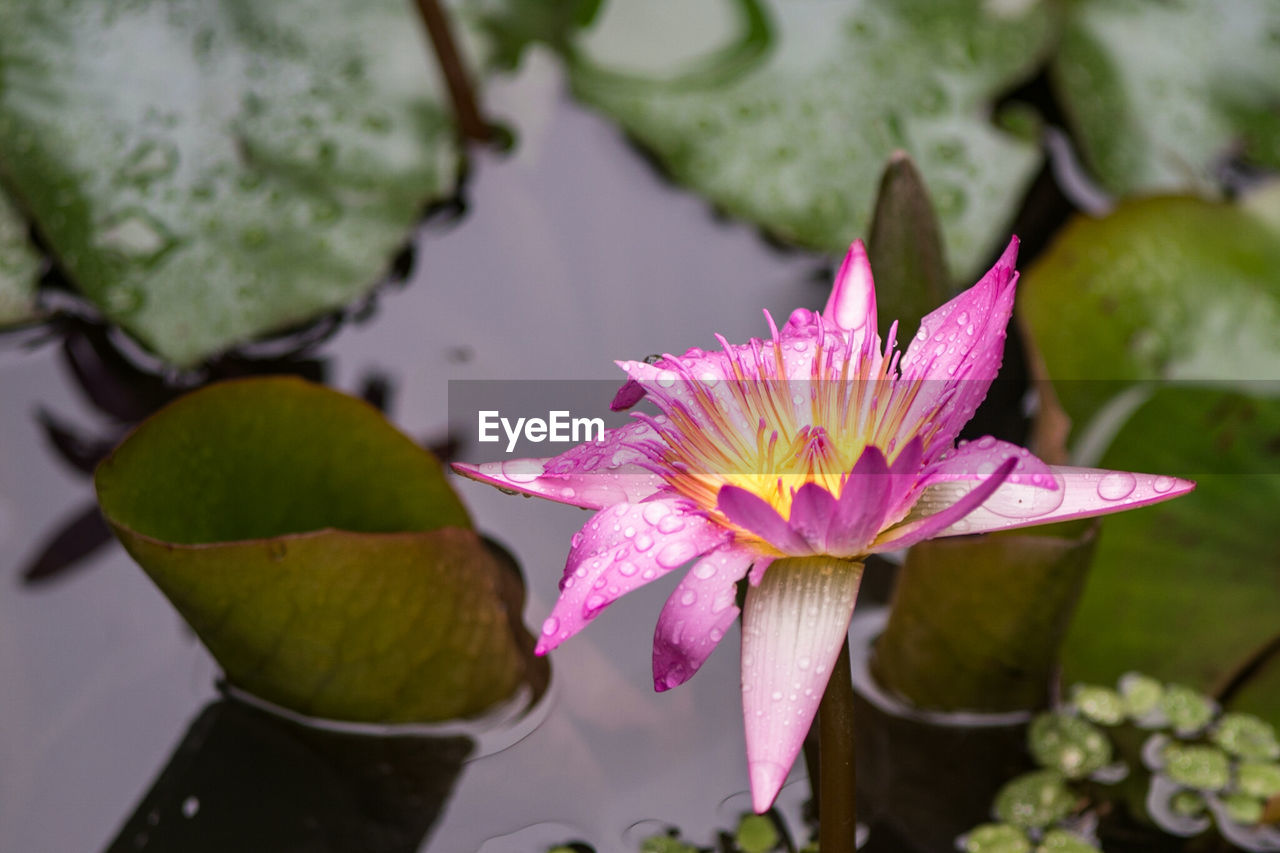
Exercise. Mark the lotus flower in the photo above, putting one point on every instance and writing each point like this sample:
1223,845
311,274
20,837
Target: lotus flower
818,442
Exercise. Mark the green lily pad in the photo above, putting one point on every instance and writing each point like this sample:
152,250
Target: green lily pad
783,113
1186,803
1158,92
1186,589
319,554
1035,800
207,172
1171,289
997,838
19,268
1068,744
1205,768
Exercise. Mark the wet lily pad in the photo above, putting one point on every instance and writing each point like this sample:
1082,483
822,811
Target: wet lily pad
319,554
783,113
207,172
1173,289
1160,93
19,268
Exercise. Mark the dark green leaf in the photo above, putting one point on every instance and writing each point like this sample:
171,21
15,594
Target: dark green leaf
977,621
905,248
1186,590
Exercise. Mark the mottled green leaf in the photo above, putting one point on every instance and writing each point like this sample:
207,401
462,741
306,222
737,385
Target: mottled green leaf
1035,800
1061,841
756,834
1205,768
1160,92
1099,704
997,838
784,112
1187,710
19,267
1242,808
1068,744
1141,693
1246,736
319,554
211,171
1259,779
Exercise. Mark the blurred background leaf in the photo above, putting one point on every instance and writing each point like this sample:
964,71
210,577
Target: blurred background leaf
19,267
319,554
782,113
207,172
1161,94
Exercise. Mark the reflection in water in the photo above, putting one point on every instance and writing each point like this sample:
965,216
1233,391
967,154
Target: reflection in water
243,779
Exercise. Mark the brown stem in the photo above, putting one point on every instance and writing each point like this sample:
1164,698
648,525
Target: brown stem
470,123
838,822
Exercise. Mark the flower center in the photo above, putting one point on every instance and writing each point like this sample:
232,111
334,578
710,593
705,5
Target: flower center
791,410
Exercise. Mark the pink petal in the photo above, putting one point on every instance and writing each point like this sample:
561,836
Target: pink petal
752,513
977,460
592,475
852,304
1081,493
812,510
793,628
940,515
864,500
620,549
699,611
958,351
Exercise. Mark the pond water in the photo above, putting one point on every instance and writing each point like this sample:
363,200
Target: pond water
572,252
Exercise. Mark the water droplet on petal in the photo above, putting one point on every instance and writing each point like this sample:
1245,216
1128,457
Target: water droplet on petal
626,569
1116,485
1162,484
644,542
522,470
671,524
655,512
688,598
675,553
704,570
550,626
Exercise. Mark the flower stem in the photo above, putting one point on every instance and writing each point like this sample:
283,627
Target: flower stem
837,797
471,124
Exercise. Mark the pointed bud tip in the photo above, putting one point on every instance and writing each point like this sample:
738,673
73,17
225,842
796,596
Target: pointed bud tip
766,781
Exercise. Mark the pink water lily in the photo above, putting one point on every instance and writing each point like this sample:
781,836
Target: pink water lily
818,442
